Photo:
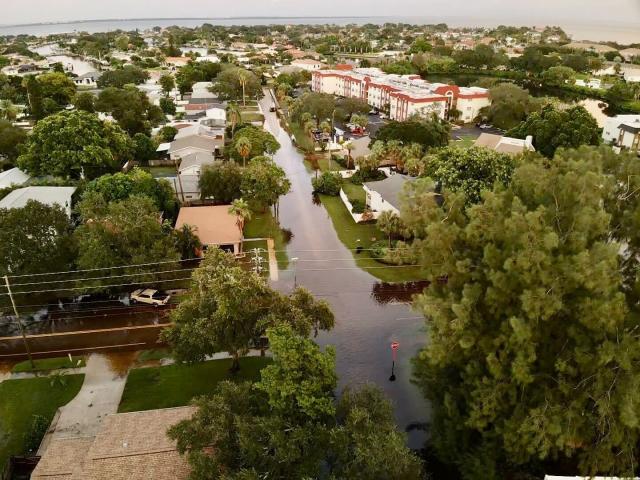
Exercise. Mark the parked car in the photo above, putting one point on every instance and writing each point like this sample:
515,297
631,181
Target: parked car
383,116
150,297
272,109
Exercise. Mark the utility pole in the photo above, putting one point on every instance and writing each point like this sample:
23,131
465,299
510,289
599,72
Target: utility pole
15,311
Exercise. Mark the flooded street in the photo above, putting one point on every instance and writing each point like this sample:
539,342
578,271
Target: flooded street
369,315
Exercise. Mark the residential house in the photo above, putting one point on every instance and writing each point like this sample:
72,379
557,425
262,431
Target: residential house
89,79
623,131
60,196
214,226
13,177
502,144
308,64
384,195
196,138
129,446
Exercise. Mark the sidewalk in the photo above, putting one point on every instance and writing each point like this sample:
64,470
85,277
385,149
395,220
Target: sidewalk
99,396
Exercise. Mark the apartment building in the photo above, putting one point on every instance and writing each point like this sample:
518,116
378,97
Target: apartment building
402,95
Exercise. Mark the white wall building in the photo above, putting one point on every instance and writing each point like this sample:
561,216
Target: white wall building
308,64
623,131
51,196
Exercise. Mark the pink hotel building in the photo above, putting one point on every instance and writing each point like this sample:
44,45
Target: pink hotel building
403,95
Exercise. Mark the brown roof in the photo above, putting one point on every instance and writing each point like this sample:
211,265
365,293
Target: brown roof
508,145
213,225
488,140
130,446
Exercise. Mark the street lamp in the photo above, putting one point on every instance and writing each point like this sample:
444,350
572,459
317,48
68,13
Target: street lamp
294,260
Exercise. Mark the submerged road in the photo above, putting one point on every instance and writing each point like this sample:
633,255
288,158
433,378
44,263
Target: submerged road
364,327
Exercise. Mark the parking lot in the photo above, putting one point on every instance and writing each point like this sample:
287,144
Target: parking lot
375,122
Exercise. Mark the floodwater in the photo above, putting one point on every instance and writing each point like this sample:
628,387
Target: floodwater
72,64
369,314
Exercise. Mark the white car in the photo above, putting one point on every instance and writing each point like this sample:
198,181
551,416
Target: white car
150,297
383,116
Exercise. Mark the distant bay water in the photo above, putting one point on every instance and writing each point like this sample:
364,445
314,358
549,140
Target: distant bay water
622,33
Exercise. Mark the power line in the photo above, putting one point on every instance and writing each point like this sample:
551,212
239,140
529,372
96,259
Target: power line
102,278
99,286
106,268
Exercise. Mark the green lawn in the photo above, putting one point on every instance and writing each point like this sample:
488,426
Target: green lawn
175,385
21,399
45,364
464,141
354,192
303,140
353,234
252,117
153,355
263,225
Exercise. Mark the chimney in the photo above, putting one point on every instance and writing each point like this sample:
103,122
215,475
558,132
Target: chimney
528,142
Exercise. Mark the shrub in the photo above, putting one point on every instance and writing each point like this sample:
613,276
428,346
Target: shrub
358,206
36,432
327,184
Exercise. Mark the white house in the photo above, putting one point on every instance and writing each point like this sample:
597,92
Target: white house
47,195
88,80
623,131
383,195
193,163
11,177
308,64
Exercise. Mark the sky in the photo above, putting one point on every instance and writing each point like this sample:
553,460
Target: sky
526,12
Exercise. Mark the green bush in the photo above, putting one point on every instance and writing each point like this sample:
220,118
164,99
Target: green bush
362,176
358,206
33,437
327,184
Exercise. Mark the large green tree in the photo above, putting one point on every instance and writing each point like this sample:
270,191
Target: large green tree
236,83
428,133
35,239
58,87
120,186
75,143
229,308
11,140
120,77
126,232
469,170
262,142
221,182
287,425
510,104
532,362
130,107
264,182
553,128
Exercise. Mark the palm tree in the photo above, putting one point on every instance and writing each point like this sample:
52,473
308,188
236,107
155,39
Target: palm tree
243,78
8,110
241,210
350,147
389,223
235,116
243,147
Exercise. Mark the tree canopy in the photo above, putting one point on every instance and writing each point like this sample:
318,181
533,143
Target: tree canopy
35,239
230,308
264,182
130,107
235,83
469,170
429,133
510,105
125,232
221,182
11,140
553,128
532,360
129,74
75,143
288,425
262,142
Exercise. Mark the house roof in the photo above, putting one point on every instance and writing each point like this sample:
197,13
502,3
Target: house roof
390,188
130,446
201,142
630,127
13,176
508,145
197,159
213,225
47,195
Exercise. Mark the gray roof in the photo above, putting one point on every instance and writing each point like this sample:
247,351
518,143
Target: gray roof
196,141
390,187
14,176
196,159
47,195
